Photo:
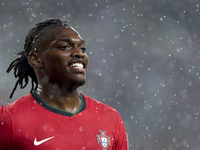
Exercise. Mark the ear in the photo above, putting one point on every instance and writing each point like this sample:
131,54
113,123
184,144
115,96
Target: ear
34,60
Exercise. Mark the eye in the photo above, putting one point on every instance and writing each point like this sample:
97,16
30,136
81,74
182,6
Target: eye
65,47
83,49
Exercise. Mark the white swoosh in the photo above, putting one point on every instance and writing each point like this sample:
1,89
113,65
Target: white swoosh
36,143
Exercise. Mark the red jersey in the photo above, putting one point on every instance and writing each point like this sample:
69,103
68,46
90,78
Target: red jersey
31,124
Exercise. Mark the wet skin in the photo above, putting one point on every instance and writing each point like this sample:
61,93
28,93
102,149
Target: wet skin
60,63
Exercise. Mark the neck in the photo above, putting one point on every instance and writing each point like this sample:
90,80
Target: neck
59,97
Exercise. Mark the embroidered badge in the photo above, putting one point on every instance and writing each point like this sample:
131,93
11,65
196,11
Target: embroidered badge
103,139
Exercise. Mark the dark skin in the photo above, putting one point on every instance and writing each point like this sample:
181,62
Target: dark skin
60,64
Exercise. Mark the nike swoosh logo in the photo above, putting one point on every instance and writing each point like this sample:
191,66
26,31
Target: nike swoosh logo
36,143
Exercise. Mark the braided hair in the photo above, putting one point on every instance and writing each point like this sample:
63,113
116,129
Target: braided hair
22,70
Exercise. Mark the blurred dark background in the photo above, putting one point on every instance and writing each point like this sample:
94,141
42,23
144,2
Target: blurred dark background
144,61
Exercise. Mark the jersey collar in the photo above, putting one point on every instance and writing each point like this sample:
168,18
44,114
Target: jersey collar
59,111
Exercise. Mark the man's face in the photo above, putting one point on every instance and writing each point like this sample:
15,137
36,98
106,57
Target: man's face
64,57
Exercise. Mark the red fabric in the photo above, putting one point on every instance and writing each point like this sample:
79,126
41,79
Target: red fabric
24,120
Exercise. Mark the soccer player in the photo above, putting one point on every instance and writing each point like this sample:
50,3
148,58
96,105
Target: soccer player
54,116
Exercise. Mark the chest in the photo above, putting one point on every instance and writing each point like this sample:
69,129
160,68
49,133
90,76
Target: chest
64,133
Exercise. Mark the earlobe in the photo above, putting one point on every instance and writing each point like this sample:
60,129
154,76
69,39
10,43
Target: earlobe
34,60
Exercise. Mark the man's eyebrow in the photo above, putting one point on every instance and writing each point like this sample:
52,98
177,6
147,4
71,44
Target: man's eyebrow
68,40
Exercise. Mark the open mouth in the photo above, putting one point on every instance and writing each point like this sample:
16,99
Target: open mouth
77,65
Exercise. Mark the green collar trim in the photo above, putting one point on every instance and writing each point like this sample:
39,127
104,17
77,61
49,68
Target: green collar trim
72,114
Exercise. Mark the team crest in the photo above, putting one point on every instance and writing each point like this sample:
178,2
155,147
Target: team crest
103,139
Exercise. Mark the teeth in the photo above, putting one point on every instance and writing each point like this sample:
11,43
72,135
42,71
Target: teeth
77,65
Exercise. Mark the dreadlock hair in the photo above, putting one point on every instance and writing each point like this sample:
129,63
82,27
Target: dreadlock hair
22,70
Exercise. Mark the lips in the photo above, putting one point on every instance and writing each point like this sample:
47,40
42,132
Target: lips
78,65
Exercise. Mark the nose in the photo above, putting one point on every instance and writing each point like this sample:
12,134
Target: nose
77,52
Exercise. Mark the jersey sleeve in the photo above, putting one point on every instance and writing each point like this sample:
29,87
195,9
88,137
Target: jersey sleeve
121,142
5,128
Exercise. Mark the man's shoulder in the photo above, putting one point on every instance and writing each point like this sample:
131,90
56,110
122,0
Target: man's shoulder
95,104
21,103
16,108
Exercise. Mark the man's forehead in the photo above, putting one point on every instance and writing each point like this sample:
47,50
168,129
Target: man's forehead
65,33
61,31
